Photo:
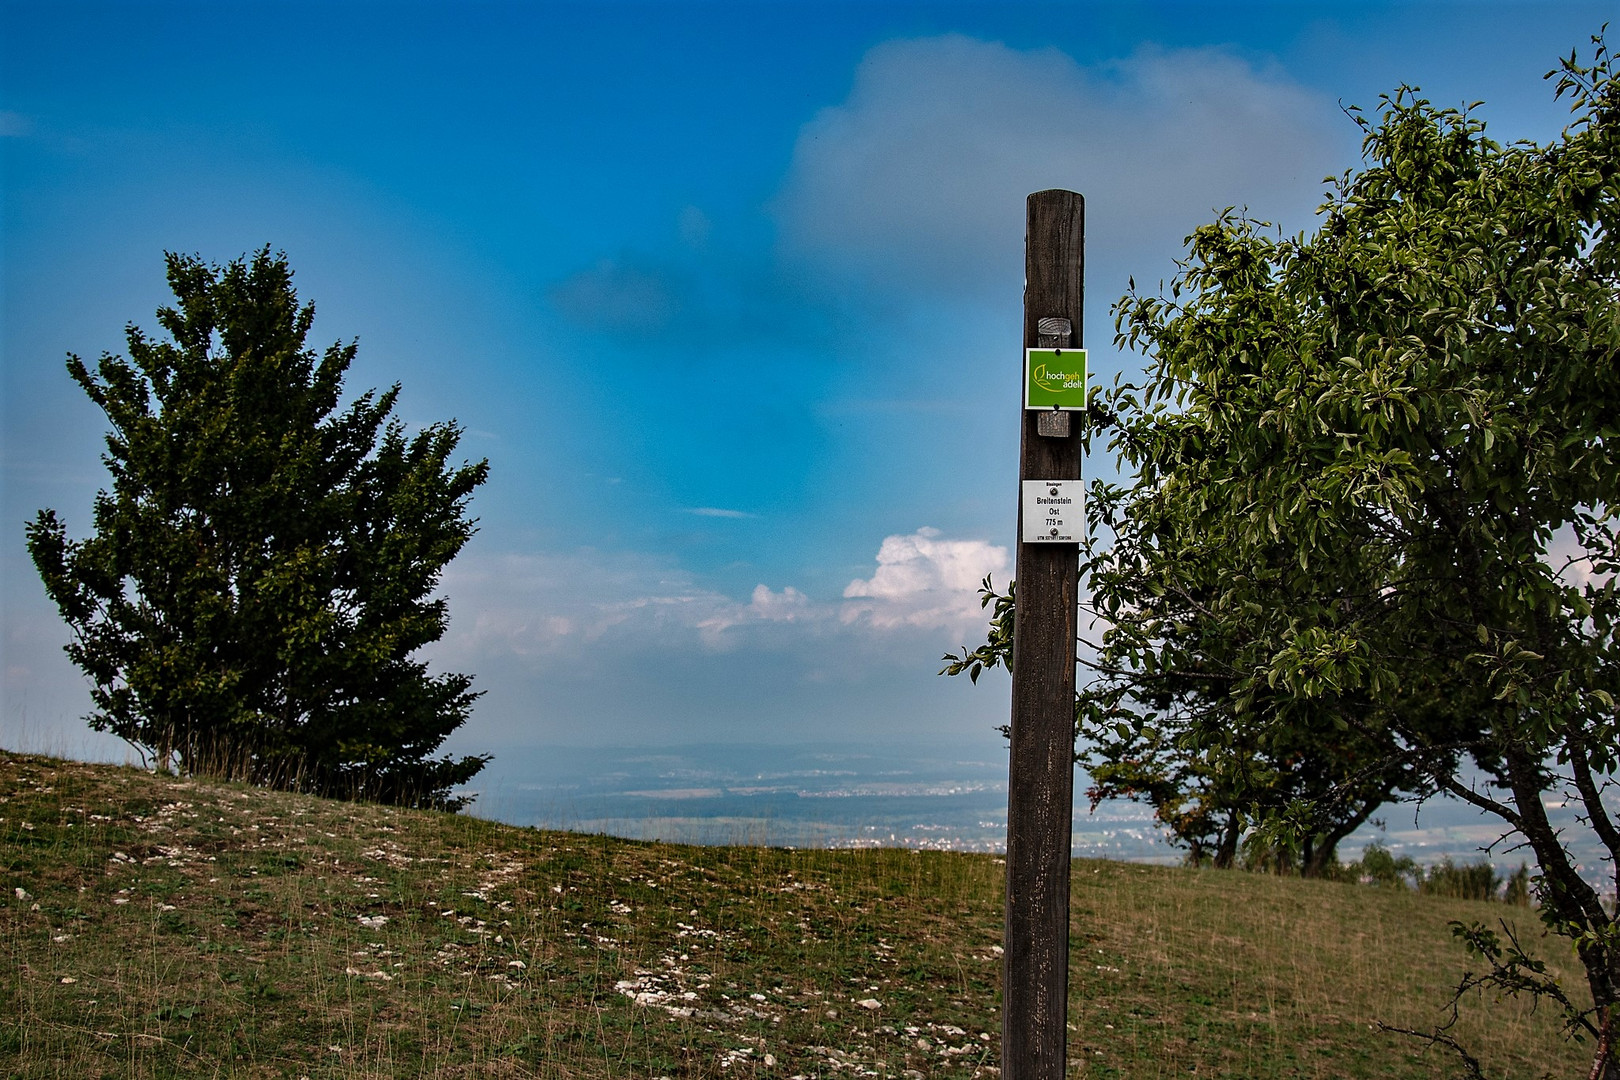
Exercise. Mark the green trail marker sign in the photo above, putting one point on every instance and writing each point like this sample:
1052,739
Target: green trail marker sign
1055,379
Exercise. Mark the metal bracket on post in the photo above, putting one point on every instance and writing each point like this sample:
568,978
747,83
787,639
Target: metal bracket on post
1053,333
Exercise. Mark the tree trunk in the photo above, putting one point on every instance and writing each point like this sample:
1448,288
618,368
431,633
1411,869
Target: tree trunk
1226,854
1325,855
1570,900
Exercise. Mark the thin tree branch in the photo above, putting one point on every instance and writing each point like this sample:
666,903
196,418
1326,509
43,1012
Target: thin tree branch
1581,771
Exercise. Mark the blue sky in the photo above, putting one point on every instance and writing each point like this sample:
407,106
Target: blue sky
728,293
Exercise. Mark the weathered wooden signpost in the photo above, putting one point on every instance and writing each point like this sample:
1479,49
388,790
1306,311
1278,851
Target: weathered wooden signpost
1040,790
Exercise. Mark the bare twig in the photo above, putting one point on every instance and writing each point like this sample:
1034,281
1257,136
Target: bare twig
1441,1036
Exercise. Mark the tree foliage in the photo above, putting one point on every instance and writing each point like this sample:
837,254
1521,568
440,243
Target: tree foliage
1368,544
263,568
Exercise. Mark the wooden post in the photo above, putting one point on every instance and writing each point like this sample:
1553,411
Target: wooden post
1040,789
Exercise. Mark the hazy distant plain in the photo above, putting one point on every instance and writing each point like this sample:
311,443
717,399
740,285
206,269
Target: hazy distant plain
949,797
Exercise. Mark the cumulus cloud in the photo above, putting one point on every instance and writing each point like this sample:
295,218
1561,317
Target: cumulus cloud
764,606
543,609
922,171
550,607
590,646
923,580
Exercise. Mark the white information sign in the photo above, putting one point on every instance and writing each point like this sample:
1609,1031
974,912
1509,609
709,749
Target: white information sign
1054,511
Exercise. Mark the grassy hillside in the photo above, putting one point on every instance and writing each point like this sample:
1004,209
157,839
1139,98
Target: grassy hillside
175,928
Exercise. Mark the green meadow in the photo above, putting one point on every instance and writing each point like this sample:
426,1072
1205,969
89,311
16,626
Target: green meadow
154,926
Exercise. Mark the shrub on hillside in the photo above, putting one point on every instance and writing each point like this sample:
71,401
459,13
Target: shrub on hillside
1380,868
1478,881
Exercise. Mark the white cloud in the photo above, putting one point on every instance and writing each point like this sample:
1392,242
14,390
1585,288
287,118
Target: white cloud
922,171
764,606
924,581
786,606
551,606
548,608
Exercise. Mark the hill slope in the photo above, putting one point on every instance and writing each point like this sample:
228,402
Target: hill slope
155,926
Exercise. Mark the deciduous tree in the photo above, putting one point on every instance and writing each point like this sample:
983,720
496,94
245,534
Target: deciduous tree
1369,531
